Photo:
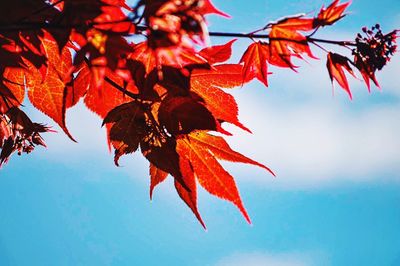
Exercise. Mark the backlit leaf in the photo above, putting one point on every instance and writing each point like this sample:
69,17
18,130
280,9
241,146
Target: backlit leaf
287,41
188,193
208,83
157,176
255,63
336,64
331,14
210,174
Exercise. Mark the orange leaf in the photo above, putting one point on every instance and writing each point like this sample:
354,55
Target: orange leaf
222,76
335,64
206,7
210,174
157,176
172,56
48,95
255,63
331,14
79,87
217,53
207,83
221,150
14,81
189,193
102,100
286,41
5,130
61,65
106,21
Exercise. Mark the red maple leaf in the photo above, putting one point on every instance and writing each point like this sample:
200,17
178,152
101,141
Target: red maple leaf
217,53
331,14
207,7
287,41
202,150
188,193
255,63
336,64
208,83
157,176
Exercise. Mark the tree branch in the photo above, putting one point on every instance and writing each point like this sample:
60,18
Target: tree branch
140,29
121,89
40,10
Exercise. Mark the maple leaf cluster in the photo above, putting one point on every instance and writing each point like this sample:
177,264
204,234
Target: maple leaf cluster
287,40
166,96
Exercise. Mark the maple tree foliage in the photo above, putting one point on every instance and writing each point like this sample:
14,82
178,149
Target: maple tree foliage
167,96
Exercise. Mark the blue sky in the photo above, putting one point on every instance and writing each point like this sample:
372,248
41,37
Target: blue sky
336,200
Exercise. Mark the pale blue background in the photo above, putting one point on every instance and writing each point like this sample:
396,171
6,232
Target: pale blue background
68,205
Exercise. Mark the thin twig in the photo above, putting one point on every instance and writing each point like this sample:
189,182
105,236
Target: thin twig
121,89
40,10
341,43
141,28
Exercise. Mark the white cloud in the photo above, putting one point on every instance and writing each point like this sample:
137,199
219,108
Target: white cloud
389,77
85,127
266,259
313,144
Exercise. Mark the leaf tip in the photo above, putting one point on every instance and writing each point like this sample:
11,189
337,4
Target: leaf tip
248,220
69,135
272,173
203,225
242,209
151,194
